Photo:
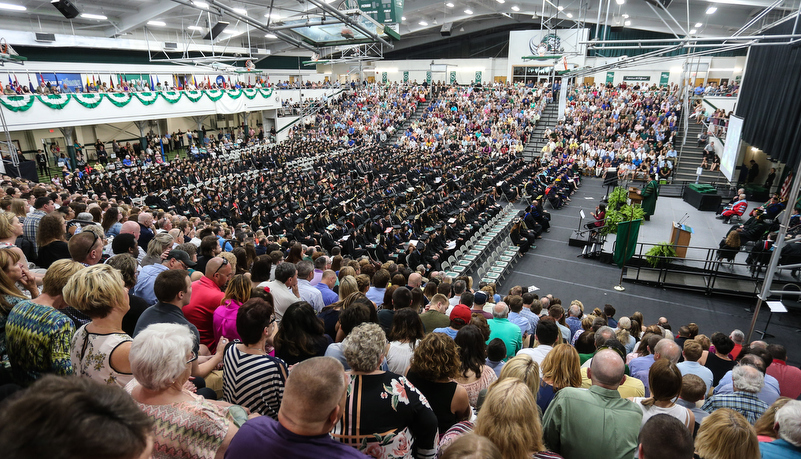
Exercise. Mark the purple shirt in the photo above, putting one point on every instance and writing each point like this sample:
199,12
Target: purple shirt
224,320
318,276
265,434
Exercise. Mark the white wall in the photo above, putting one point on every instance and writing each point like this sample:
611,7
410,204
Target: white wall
465,70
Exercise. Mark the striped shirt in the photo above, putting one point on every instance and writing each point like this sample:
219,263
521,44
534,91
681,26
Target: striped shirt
253,381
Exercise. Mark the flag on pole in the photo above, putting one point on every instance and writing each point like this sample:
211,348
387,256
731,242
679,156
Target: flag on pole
194,82
16,81
626,245
157,81
42,78
786,186
10,83
93,80
152,86
30,85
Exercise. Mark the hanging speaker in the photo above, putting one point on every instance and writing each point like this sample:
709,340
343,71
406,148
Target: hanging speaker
67,8
446,29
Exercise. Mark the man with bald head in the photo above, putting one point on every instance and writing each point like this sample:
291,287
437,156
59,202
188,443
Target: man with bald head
314,398
130,227
597,422
207,294
146,232
666,348
500,327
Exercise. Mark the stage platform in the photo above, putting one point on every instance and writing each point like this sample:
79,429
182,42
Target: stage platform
557,268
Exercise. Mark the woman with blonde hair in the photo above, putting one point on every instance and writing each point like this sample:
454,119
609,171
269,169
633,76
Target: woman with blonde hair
510,405
586,324
237,293
11,235
622,334
471,446
764,425
706,343
157,249
100,348
561,368
19,207
725,434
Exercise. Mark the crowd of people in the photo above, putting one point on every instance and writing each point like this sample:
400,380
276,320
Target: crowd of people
289,299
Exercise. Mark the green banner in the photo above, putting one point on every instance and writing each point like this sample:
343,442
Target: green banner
428,77
478,76
610,77
405,77
626,244
453,77
664,79
383,77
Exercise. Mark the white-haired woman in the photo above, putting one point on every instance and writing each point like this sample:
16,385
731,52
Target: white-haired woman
186,425
385,416
157,249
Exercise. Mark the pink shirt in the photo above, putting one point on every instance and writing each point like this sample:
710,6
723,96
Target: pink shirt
224,321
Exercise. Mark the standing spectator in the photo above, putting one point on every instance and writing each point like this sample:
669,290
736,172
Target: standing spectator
571,423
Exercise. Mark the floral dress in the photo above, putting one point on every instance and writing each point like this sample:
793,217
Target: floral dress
91,354
387,418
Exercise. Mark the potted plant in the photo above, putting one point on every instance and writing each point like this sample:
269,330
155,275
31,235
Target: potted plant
660,254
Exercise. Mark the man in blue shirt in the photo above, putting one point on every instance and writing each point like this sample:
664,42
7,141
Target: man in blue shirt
325,285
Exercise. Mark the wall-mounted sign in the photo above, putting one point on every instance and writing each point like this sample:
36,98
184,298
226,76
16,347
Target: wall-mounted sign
636,78
610,77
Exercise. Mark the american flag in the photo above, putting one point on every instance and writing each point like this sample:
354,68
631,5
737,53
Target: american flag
786,186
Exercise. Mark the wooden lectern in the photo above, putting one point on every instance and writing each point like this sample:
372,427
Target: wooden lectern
634,195
680,237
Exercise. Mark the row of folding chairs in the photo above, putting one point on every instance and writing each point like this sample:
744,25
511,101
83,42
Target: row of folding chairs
500,262
483,241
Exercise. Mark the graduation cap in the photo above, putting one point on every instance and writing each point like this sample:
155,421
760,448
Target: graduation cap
438,226
397,227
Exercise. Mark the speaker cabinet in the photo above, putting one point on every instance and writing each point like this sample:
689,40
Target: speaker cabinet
66,8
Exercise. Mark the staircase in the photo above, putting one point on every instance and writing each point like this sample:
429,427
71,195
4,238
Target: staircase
690,158
401,130
548,118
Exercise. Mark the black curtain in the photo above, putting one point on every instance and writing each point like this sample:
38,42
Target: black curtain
770,99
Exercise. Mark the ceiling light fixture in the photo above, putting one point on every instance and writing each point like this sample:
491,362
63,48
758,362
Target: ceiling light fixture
423,23
194,27
9,6
620,2
560,8
711,10
403,18
501,1
271,35
570,15
449,5
99,17
274,16
468,11
627,23
515,8
200,4
241,11
698,24
156,23
625,16
693,31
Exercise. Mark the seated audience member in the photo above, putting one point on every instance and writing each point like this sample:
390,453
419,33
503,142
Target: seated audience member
237,292
37,334
127,266
384,414
577,422
100,348
72,417
788,429
176,259
314,400
693,390
300,334
86,247
474,375
725,434
253,378
496,353
207,295
547,335
690,366
665,382
764,425
560,369
186,424
719,361
500,327
434,365
641,366
284,288
789,377
306,290
748,381
460,316
759,359
509,405
404,336
435,316
51,240
665,437
472,446
326,285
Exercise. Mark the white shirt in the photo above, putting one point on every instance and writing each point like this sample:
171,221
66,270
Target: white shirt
282,297
537,354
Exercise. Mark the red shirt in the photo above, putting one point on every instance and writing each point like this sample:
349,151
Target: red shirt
789,378
206,297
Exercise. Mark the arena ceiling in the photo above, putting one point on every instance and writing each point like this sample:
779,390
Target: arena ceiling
263,26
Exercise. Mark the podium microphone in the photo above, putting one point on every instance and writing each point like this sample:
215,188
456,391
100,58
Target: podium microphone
684,218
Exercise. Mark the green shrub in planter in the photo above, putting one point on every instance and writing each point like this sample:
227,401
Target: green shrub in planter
660,254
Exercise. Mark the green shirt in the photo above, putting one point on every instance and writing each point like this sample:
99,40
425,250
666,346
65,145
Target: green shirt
434,319
594,422
509,333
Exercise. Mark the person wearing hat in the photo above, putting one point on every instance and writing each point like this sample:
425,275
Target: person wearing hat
176,259
460,316
479,300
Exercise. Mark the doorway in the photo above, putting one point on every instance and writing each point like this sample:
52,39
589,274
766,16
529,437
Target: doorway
589,81
500,79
